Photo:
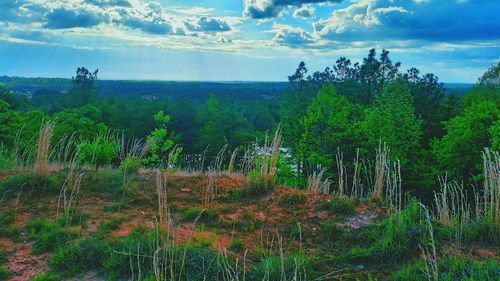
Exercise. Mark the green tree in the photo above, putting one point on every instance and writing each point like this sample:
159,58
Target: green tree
85,89
326,126
459,150
212,133
9,124
82,122
161,142
392,120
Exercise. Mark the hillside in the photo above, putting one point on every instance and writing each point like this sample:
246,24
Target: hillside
107,225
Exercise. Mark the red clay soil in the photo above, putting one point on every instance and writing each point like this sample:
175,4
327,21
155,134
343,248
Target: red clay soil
24,265
184,191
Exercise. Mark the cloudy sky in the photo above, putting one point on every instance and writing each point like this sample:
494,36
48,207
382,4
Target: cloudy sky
243,39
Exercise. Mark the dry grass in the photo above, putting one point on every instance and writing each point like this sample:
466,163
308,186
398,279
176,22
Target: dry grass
316,183
161,194
430,255
491,185
42,167
381,167
270,157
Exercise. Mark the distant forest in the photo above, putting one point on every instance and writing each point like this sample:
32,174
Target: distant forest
346,110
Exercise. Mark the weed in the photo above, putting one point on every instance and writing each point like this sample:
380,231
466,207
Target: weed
237,246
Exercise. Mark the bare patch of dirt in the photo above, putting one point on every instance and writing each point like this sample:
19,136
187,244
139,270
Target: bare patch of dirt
23,265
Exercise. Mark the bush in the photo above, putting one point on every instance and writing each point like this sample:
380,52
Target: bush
99,152
79,257
402,235
130,165
48,236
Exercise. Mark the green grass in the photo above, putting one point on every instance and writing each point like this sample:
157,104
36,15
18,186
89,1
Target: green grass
4,274
342,206
48,236
27,183
207,216
293,200
79,257
237,246
452,268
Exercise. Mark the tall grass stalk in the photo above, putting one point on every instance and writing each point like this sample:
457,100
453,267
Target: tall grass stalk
316,183
430,255
42,167
491,185
381,167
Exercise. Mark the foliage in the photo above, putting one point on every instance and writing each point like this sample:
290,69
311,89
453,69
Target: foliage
130,165
326,124
458,152
101,151
161,142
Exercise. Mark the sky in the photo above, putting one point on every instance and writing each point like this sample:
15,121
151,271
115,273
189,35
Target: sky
243,40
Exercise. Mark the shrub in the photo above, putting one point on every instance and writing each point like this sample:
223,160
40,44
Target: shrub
48,236
130,164
99,152
79,257
403,233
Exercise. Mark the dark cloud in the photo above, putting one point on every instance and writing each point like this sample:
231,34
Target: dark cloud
206,24
63,18
448,20
304,12
151,19
262,9
287,35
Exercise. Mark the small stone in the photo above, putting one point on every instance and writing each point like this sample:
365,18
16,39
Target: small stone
186,190
360,266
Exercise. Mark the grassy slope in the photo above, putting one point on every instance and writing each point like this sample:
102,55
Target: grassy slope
341,238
